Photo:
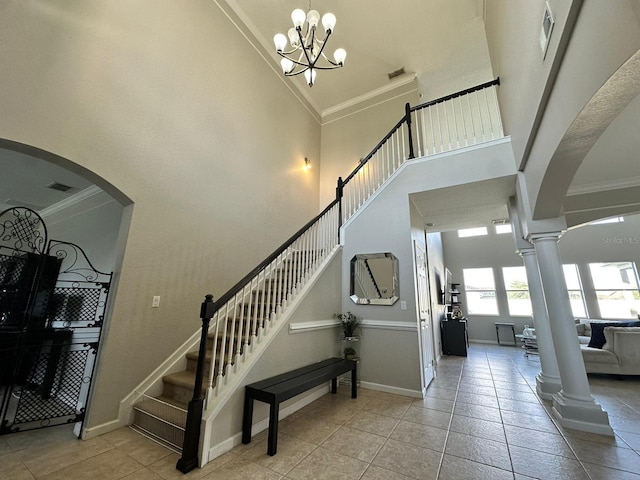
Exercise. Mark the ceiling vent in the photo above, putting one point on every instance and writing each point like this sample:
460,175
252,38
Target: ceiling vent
396,73
61,187
500,221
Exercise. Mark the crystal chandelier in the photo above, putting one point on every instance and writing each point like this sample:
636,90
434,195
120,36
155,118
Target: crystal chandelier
306,48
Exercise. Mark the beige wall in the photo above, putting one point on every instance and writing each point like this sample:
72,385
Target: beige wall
166,102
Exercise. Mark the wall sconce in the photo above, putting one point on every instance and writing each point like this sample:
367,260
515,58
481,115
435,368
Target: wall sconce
307,163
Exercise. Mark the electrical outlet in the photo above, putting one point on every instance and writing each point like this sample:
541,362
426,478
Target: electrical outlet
403,305
156,301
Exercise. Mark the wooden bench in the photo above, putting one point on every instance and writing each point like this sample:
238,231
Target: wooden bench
282,387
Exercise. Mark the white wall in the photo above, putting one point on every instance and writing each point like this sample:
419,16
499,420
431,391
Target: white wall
167,103
581,246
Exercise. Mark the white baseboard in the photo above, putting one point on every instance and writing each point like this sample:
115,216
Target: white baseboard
389,389
92,432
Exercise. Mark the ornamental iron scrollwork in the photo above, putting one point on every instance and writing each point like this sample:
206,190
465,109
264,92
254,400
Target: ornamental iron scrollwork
22,229
75,264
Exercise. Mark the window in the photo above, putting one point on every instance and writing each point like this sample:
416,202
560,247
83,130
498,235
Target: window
616,288
500,229
480,289
517,288
472,232
574,287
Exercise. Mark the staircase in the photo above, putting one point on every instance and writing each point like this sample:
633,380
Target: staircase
163,418
248,311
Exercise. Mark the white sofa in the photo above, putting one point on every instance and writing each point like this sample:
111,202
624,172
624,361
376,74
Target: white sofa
619,355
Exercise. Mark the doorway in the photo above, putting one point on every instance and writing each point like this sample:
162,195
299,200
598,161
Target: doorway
424,316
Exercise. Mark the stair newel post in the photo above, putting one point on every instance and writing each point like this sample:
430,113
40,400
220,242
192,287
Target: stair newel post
189,459
407,110
339,194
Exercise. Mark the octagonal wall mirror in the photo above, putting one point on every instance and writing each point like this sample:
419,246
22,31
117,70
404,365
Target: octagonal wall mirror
374,279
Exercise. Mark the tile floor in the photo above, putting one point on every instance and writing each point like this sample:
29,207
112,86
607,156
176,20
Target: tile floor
480,420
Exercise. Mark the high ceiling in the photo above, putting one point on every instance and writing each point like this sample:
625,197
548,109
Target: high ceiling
423,36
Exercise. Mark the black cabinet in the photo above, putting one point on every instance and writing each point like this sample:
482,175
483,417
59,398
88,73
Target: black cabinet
454,337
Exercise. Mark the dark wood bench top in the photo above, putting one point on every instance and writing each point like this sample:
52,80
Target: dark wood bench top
279,388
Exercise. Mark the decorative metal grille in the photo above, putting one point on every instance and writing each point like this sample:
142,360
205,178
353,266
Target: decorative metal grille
23,229
36,404
47,369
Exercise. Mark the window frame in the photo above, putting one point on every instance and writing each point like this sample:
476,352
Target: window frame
468,304
526,290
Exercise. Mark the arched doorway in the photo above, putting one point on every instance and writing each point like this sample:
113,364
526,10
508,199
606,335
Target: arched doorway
56,267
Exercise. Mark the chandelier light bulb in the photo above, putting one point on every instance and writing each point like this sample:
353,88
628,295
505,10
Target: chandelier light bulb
310,76
281,42
340,55
313,17
298,17
287,65
329,22
294,40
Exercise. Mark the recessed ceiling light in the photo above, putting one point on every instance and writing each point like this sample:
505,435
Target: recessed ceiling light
429,224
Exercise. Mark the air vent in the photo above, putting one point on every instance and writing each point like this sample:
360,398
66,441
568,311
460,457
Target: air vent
500,221
61,187
396,73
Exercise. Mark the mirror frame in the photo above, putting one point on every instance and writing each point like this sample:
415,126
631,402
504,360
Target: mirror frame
395,293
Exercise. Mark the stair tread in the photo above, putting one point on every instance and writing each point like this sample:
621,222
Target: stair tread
185,378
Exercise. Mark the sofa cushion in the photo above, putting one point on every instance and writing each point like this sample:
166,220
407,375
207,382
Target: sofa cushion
597,355
597,331
580,329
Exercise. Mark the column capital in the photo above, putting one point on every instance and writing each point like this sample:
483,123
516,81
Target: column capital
544,236
523,252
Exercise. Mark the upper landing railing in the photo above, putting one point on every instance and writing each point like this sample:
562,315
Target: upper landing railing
466,118
241,316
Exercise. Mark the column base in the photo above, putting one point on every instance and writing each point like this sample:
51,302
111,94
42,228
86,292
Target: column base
586,416
547,387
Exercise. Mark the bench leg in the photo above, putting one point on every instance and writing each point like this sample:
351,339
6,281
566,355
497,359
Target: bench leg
272,442
334,385
247,419
354,383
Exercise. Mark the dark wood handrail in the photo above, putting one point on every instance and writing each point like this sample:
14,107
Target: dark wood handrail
457,94
240,285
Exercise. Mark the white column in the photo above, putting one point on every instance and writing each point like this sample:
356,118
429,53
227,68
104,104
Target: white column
573,406
548,380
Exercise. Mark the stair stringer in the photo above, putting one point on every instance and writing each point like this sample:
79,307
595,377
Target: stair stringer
219,395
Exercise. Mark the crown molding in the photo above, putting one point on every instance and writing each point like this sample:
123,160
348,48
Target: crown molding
400,82
74,199
604,186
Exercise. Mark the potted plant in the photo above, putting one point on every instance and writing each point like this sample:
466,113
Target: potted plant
350,353
350,323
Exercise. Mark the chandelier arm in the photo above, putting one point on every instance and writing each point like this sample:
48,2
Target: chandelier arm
324,42
304,49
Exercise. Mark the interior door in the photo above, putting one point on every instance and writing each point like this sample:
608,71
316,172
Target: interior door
424,316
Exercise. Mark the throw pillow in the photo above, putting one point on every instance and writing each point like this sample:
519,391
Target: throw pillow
597,331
